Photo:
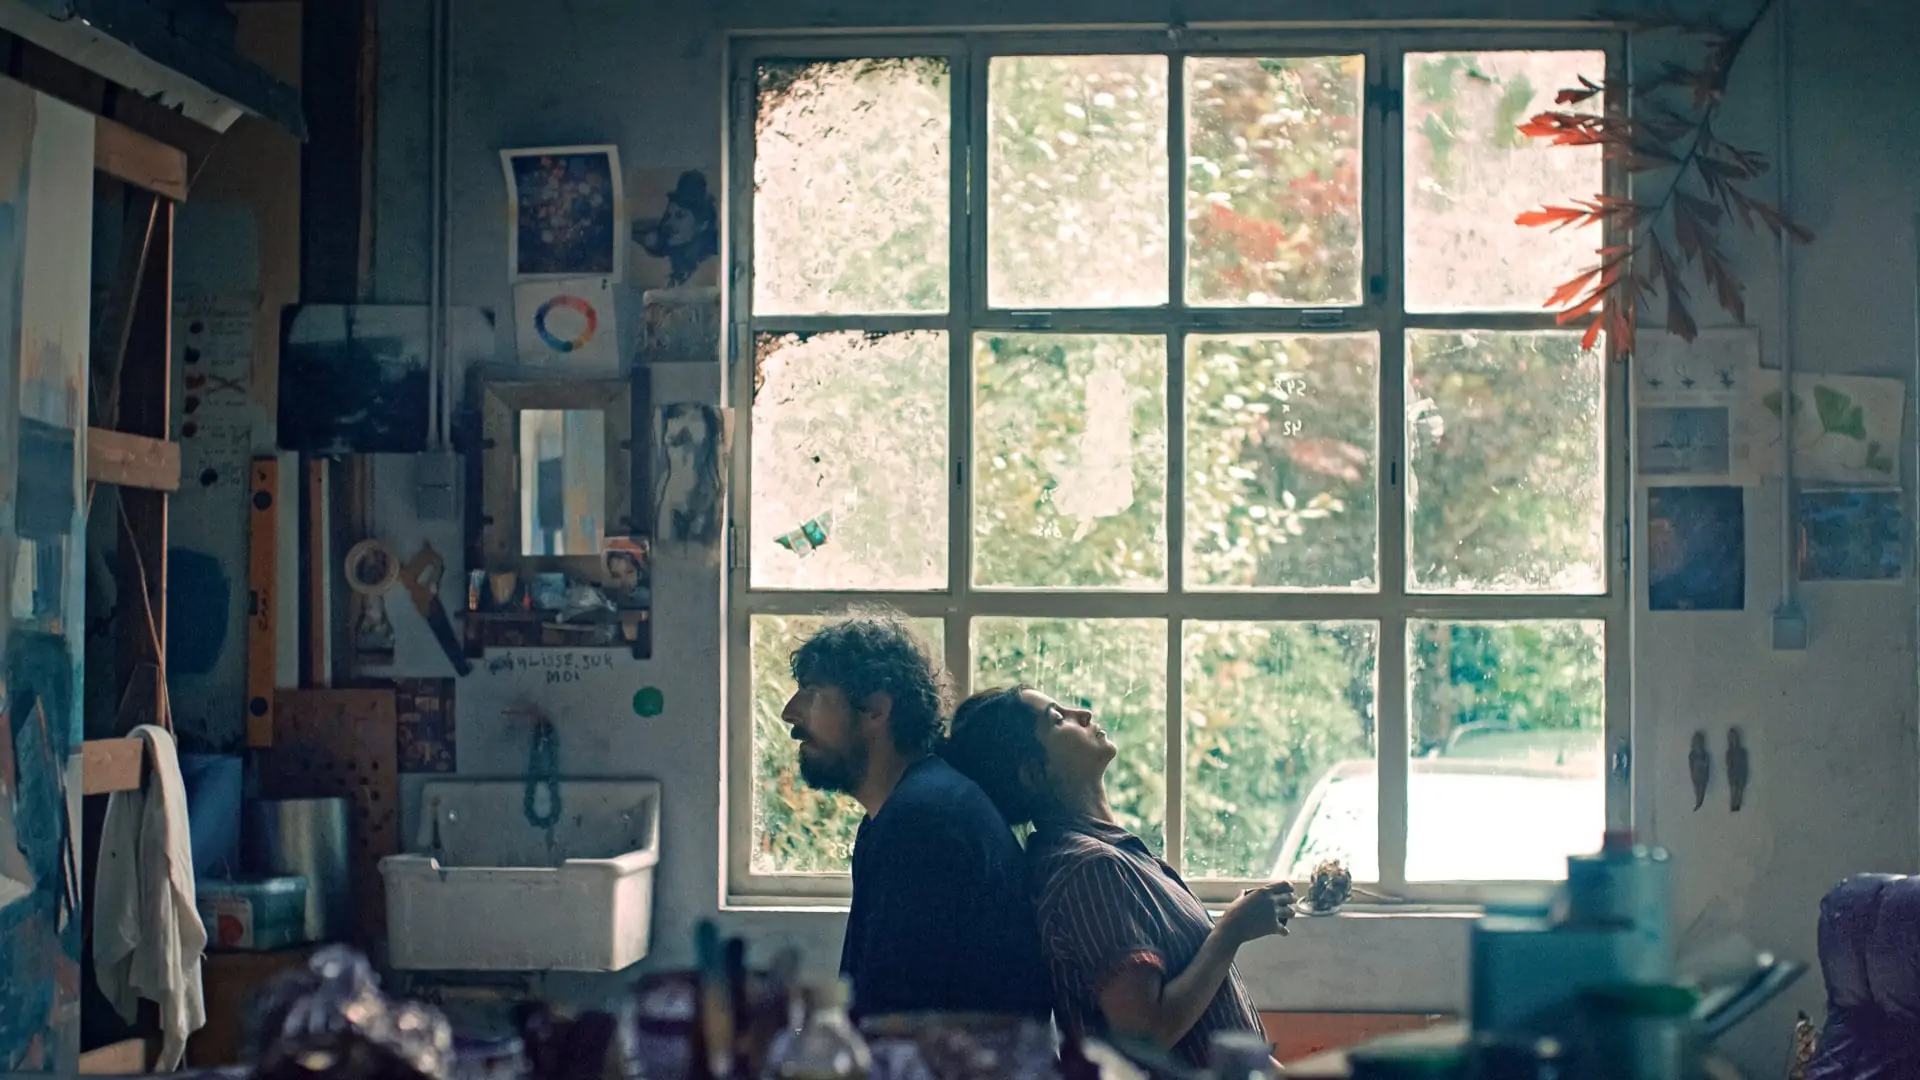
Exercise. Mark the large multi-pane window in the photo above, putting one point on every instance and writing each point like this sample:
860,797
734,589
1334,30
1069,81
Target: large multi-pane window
1204,380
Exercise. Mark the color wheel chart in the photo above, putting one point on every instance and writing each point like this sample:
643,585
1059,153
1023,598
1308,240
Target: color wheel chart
566,323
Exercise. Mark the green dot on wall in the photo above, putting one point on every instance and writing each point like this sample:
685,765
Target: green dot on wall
649,701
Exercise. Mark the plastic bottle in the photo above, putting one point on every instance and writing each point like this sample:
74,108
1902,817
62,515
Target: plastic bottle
826,1046
1240,1055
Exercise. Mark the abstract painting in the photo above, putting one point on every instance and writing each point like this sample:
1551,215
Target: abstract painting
46,240
1696,549
1851,536
564,207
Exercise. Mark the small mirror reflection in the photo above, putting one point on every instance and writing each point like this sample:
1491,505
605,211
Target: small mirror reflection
563,497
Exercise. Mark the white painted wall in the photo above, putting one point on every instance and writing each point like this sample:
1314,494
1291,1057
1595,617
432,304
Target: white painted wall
1836,773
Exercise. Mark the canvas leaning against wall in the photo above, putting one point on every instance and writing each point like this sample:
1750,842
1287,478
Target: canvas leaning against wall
46,222
354,379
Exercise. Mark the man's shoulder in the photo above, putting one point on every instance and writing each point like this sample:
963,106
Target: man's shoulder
934,793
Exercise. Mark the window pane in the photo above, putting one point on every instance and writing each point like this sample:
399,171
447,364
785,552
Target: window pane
850,462
1077,181
1278,714
1507,724
1506,470
797,829
851,187
1281,442
1273,179
1117,668
1070,461
1469,173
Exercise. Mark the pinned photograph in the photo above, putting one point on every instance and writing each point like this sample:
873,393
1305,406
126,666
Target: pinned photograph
1851,536
676,226
627,563
564,208
1696,549
1694,422
567,323
693,481
1685,444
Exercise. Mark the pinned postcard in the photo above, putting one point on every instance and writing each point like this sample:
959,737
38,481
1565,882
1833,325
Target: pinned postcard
1846,428
1851,536
676,226
564,212
566,322
1693,424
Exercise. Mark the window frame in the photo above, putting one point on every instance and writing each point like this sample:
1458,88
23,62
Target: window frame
1389,605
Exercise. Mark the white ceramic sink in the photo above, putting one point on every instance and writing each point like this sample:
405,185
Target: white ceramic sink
485,889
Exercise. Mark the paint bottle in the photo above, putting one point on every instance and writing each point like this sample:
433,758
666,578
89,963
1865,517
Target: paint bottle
1625,887
827,1047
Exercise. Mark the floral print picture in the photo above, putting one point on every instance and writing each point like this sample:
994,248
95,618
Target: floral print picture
565,203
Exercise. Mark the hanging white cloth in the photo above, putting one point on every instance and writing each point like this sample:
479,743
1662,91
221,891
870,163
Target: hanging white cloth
147,934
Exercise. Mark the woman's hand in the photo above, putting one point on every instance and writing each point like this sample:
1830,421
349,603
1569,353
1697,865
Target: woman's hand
1259,913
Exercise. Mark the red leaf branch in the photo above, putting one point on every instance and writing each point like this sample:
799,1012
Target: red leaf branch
1662,240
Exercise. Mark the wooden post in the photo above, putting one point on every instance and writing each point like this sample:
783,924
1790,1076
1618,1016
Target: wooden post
263,546
145,409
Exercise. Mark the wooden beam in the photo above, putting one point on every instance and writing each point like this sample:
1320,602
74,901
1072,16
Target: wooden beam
129,1057
334,47
140,160
133,461
318,565
111,765
263,577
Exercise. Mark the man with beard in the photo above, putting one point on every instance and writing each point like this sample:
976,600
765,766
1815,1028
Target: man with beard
940,917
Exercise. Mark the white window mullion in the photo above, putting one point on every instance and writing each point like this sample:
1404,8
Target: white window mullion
1176,528
1618,722
966,265
736,781
1391,721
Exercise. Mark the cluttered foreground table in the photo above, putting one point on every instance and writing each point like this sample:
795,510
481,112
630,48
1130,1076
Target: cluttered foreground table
1584,989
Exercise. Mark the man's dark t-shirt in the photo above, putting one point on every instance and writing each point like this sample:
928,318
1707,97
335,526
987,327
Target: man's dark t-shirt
941,918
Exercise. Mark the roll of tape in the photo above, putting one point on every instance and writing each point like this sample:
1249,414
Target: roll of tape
372,568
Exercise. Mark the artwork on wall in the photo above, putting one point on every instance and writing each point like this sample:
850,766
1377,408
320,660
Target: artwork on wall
1693,422
354,378
564,209
46,242
676,227
1846,428
567,323
694,441
423,709
681,326
1851,536
1696,548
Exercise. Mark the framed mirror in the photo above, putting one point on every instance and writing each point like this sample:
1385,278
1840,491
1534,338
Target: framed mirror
560,552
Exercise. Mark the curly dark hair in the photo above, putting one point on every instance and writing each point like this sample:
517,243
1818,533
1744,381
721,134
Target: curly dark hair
992,743
875,652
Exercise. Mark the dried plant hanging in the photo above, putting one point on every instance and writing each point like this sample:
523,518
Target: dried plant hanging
1661,125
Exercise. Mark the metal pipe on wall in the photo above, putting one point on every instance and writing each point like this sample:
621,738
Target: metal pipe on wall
1789,608
436,106
443,206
